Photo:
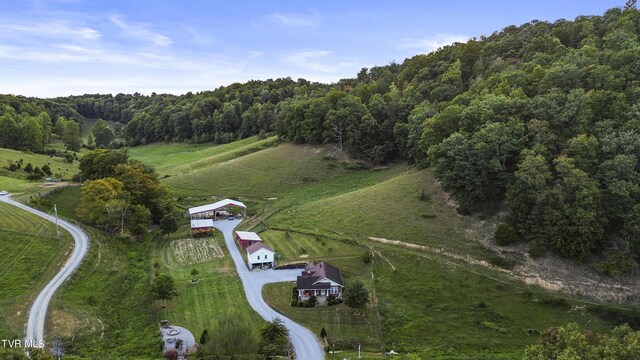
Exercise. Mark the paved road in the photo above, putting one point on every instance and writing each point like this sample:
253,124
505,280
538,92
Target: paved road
305,343
38,312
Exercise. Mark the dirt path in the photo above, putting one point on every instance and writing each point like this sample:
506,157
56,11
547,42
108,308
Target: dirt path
548,272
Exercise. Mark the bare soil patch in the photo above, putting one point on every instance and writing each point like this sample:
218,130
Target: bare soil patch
193,251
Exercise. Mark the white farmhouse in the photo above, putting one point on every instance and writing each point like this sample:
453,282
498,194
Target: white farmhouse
260,254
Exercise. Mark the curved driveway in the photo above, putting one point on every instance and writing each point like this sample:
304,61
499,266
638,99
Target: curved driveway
305,344
38,312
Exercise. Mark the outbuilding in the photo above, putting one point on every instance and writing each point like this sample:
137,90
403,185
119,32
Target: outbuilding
216,210
247,238
201,224
260,254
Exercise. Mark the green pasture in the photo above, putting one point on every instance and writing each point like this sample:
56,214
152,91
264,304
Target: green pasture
30,254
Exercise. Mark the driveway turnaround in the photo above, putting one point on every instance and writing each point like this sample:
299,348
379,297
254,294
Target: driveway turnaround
305,343
38,312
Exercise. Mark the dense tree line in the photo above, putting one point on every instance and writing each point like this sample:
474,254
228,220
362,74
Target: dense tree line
27,123
120,194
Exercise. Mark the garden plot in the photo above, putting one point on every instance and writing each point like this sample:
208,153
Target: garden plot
194,251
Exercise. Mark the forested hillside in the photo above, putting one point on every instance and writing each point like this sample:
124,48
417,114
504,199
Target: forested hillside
541,119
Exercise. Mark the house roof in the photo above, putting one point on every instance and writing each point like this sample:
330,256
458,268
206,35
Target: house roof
257,246
314,272
196,224
215,206
310,283
248,235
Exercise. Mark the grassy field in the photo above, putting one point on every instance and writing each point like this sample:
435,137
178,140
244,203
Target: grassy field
216,302
269,173
297,247
16,181
30,254
179,158
390,209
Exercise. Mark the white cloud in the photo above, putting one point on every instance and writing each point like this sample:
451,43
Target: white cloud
431,43
294,20
49,29
318,60
140,31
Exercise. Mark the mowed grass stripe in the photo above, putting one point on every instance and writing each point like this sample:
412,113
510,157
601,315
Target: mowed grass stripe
16,220
391,209
169,157
267,173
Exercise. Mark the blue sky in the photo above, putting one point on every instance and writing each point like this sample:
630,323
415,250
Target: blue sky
54,48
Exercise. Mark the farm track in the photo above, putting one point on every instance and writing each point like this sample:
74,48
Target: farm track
38,312
305,343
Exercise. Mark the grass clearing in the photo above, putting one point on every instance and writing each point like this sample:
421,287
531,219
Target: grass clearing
264,174
30,254
390,209
178,158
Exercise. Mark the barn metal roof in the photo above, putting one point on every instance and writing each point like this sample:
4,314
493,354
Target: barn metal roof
215,206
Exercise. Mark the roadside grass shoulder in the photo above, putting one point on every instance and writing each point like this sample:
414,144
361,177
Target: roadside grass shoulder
105,309
30,254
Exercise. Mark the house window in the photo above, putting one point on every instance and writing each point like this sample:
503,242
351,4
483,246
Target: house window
258,257
265,257
334,289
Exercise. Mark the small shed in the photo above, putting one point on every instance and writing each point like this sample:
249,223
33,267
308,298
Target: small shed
260,254
200,224
247,238
213,211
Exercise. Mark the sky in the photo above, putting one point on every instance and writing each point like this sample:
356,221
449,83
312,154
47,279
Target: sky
51,48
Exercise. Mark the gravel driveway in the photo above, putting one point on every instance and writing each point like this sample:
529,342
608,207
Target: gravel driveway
305,344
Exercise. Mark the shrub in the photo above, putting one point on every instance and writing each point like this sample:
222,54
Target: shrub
47,170
294,302
28,168
312,301
366,257
505,235
34,176
13,167
536,248
202,232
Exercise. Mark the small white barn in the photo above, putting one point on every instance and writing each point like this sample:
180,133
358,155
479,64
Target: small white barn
260,254
200,224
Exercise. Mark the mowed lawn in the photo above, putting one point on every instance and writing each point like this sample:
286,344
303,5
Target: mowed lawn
215,301
296,247
30,253
393,209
